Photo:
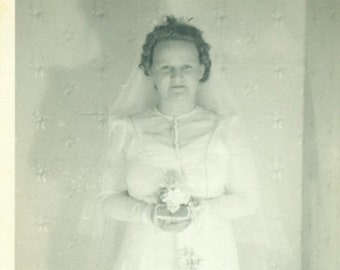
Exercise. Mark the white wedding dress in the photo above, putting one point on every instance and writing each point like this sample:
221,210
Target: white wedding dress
208,149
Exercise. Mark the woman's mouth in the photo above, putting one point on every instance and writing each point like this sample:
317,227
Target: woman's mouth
178,86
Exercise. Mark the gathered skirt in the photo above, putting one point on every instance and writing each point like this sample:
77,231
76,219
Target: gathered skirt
206,244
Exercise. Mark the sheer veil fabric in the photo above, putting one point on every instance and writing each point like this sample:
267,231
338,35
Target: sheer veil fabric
261,238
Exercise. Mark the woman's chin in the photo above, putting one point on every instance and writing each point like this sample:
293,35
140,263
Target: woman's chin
179,97
179,93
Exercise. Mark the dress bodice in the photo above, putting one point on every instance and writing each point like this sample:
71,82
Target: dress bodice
183,144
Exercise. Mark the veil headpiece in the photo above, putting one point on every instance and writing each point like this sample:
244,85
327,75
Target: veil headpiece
138,93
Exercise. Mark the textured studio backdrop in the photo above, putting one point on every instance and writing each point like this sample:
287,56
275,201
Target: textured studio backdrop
73,56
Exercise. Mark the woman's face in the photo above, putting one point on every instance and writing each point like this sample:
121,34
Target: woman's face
176,70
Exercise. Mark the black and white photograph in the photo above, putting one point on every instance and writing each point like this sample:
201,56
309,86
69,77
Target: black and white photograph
175,135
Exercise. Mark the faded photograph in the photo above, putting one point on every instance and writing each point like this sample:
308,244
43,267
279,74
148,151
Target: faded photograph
163,135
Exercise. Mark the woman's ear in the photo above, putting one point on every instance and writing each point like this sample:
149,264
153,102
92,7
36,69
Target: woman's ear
202,69
151,79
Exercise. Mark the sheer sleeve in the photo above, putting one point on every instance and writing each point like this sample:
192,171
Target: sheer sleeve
113,196
241,192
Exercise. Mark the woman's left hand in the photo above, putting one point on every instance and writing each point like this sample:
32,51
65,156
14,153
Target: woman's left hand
173,226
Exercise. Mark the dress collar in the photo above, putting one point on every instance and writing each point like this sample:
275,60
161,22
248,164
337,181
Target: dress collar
194,110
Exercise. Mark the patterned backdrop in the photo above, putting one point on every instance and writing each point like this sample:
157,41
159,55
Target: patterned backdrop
72,58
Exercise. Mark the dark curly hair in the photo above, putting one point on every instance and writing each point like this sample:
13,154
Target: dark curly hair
175,30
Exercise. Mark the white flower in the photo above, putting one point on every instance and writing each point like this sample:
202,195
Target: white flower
172,193
174,199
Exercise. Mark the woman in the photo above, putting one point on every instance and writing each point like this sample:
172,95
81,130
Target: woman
201,153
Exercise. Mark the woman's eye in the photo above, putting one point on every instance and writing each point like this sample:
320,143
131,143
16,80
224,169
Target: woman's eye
165,68
187,67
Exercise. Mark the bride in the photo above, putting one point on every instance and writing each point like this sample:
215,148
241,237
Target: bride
179,173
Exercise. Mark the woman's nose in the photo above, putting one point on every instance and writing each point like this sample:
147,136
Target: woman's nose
176,73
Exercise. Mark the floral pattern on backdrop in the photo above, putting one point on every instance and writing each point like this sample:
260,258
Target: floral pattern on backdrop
74,56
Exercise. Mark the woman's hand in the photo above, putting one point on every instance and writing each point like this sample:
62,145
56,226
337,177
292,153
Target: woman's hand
173,226
168,224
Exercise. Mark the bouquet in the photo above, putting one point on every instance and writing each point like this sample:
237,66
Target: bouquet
173,200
